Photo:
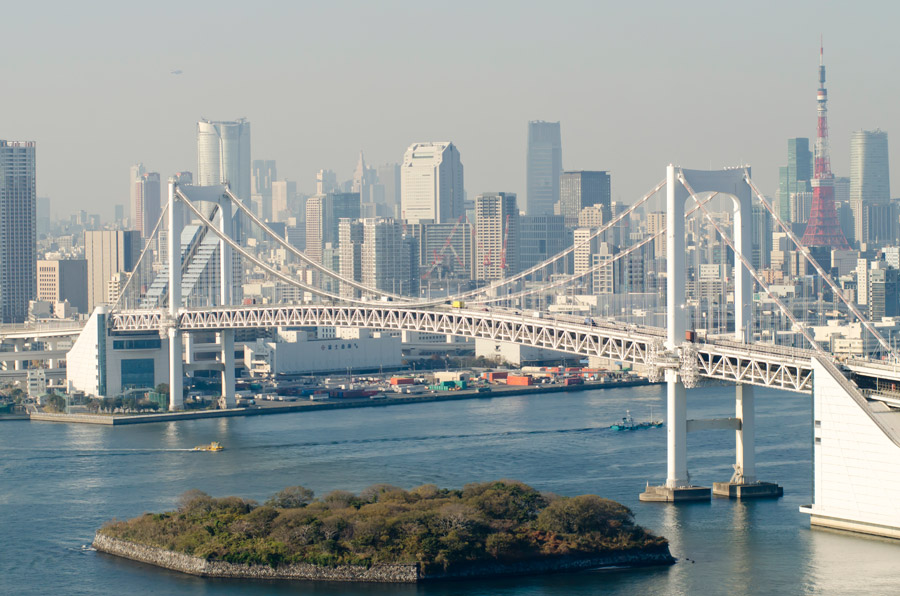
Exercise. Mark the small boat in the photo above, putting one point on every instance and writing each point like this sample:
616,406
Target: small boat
214,446
626,424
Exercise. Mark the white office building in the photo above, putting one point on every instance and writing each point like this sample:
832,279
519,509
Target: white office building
431,184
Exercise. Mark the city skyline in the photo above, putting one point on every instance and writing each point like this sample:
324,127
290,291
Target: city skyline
641,114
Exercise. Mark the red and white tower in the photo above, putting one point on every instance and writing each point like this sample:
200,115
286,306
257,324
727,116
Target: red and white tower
823,228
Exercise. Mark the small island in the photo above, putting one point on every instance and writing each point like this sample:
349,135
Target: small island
388,534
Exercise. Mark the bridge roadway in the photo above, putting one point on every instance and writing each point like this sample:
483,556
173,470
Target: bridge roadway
769,366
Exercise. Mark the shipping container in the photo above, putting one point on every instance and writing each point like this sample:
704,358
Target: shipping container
519,380
573,381
401,381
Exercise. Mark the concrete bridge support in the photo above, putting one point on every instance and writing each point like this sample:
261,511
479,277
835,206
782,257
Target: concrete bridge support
176,349
743,483
729,183
226,283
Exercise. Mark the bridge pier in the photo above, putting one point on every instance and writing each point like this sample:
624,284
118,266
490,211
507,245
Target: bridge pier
228,392
176,370
678,485
743,483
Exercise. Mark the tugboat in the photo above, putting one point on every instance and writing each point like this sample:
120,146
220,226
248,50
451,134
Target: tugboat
214,446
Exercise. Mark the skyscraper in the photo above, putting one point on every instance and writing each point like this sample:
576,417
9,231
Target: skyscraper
147,202
431,187
498,238
134,174
581,189
389,177
323,217
108,252
18,236
283,194
223,155
364,179
543,167
870,175
262,175
376,252
795,177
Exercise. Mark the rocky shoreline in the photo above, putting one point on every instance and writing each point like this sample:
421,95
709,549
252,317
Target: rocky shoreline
377,573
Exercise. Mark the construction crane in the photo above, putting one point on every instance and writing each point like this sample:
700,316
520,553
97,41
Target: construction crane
439,257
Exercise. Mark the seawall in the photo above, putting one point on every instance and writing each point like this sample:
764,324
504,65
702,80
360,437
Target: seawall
335,404
197,566
377,573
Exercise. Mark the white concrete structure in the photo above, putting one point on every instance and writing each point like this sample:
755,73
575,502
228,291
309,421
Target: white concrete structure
298,352
431,183
514,353
103,365
729,183
856,458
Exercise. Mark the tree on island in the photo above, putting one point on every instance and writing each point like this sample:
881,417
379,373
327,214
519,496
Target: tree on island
440,529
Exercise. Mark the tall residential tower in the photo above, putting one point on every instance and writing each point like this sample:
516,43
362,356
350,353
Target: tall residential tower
18,240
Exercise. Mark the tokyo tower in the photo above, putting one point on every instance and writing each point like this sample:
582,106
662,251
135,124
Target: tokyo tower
823,228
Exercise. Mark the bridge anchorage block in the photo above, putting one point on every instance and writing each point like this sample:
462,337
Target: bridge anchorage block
740,487
678,494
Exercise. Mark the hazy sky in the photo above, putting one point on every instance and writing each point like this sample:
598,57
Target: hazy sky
636,85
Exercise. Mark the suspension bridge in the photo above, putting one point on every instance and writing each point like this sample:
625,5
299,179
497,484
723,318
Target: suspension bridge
856,426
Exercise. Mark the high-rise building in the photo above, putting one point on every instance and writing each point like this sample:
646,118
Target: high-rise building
543,167
389,178
581,189
134,174
364,181
284,192
870,192
108,252
656,222
795,177
326,182
541,237
431,188
761,230
315,227
63,280
445,250
323,216
870,174
586,245
223,156
262,175
498,238
377,253
18,233
147,203
882,291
